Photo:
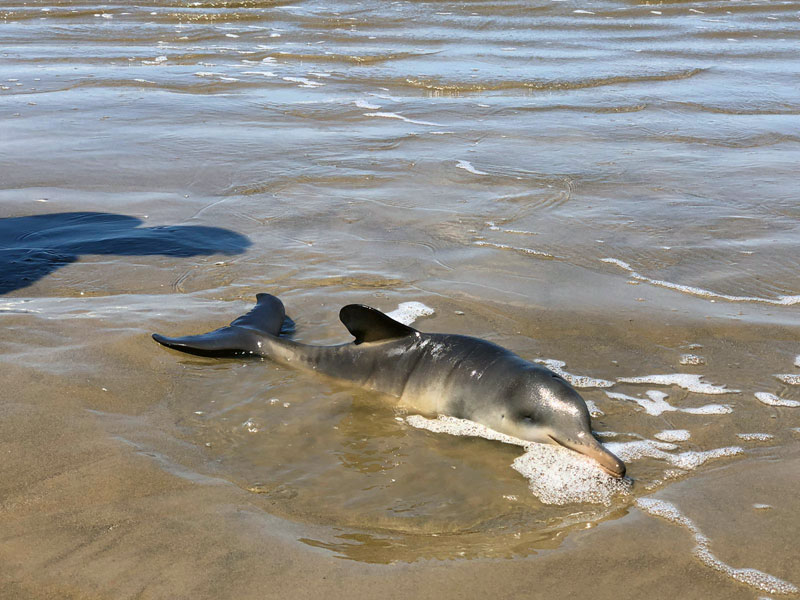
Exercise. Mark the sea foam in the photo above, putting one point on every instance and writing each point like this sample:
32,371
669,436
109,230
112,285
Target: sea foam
686,461
773,400
408,312
755,437
688,381
555,474
579,381
752,577
694,291
656,404
673,435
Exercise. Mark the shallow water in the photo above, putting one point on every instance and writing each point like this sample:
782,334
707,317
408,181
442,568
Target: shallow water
605,184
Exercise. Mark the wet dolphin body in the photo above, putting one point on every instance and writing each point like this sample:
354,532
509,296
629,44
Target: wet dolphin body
435,373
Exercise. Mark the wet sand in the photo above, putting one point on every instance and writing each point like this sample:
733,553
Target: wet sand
605,186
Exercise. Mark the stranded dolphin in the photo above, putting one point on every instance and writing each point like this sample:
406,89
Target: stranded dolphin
435,373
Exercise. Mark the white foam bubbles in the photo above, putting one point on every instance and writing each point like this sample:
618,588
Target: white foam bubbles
303,82
752,577
797,361
673,435
687,381
694,291
579,381
773,400
593,409
691,359
467,166
408,312
755,437
789,378
391,115
366,105
521,249
655,404
687,461
555,474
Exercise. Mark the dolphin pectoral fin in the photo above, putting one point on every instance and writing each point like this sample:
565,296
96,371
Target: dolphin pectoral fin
595,450
367,324
240,337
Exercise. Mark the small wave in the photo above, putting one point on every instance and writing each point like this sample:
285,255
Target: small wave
391,115
752,577
467,87
494,227
303,81
789,378
529,251
694,291
366,105
467,166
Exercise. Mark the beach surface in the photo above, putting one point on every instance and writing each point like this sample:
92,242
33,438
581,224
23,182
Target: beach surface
608,188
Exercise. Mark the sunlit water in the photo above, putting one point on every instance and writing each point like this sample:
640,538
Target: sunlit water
607,187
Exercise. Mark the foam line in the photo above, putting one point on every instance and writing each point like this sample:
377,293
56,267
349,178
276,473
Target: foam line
695,291
702,550
755,437
391,115
688,461
656,404
687,381
579,381
530,251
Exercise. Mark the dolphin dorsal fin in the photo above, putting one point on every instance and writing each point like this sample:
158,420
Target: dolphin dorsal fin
371,325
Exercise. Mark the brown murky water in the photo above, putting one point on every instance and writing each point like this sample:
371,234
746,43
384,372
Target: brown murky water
607,184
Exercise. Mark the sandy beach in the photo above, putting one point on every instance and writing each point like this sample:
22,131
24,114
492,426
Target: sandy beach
606,188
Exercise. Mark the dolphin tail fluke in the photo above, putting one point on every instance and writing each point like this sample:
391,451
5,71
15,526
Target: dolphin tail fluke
242,336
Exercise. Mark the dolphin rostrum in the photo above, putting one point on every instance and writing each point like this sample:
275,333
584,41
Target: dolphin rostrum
435,373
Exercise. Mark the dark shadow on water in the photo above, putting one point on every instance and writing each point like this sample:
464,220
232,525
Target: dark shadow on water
35,246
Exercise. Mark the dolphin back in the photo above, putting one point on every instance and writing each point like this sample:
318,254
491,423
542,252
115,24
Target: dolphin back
242,336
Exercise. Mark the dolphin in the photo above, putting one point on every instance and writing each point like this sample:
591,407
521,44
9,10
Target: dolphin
434,373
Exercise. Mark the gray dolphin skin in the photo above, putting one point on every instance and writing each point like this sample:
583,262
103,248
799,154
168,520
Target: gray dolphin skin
434,373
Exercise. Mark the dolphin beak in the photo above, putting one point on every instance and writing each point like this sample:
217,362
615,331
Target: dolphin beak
594,449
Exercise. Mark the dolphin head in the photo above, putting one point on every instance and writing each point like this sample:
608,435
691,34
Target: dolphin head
545,408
